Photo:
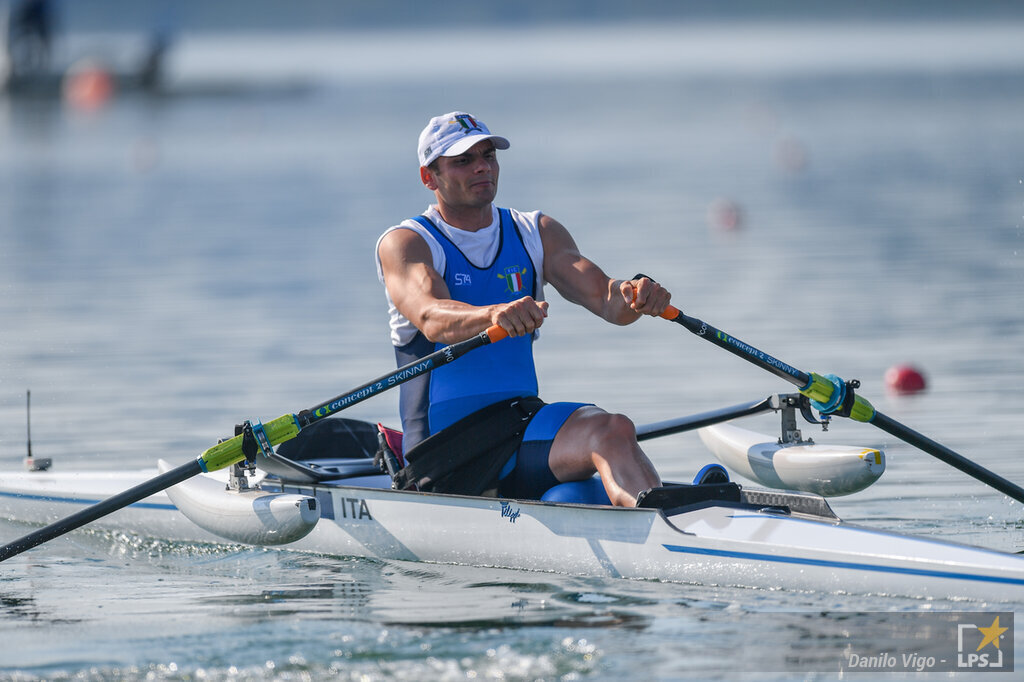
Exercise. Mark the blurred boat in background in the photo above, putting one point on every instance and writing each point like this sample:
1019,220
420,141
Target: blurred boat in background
37,61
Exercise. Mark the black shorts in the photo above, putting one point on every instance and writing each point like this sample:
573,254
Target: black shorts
527,474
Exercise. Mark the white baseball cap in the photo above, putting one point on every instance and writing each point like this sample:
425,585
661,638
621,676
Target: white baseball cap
452,134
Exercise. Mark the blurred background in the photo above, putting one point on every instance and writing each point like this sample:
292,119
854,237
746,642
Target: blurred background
190,194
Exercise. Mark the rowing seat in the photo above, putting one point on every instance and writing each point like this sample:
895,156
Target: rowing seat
590,491
328,450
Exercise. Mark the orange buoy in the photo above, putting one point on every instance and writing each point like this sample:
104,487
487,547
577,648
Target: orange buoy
904,379
88,86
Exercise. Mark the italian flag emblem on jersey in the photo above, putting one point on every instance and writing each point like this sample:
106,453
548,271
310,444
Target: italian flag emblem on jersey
513,277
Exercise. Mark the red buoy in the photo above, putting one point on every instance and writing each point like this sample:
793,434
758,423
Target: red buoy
725,215
88,86
904,379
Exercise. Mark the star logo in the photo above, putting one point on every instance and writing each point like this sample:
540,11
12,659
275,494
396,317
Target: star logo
992,634
972,653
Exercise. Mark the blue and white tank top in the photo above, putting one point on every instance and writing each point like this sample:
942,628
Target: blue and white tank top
488,374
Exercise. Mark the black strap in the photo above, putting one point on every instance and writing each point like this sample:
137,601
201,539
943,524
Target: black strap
249,444
466,457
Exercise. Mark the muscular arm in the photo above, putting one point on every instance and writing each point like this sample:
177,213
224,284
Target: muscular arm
421,295
580,280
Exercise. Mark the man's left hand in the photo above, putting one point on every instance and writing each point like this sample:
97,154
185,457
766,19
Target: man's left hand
645,296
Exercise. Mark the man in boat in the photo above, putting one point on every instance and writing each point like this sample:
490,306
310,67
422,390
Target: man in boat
465,265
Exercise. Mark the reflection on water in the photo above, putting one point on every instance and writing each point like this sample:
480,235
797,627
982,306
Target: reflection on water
14,607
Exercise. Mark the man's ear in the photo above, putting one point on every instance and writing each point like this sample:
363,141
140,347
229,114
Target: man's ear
427,177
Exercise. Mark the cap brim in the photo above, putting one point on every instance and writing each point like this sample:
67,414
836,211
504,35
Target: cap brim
463,145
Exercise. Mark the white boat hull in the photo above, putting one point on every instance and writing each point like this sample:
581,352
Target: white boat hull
715,545
756,544
43,497
252,517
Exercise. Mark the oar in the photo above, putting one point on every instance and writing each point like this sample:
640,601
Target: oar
830,395
228,452
699,421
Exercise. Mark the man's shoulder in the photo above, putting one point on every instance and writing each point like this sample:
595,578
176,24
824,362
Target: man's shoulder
415,222
524,215
528,221
404,234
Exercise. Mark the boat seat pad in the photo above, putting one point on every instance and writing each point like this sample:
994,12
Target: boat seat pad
327,450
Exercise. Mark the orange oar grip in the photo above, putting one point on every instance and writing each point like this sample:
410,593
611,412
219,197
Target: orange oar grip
671,313
496,333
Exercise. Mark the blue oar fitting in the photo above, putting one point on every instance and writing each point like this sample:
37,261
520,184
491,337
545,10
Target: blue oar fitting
262,440
838,396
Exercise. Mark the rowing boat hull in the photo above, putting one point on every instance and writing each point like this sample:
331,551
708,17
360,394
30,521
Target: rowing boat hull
757,545
42,497
747,546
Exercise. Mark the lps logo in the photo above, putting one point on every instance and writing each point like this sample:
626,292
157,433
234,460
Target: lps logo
978,647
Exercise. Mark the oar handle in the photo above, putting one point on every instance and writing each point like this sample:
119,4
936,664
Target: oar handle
495,333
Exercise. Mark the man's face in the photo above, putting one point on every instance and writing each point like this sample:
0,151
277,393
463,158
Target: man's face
470,179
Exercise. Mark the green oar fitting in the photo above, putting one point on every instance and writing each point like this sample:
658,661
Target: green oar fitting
230,451
831,395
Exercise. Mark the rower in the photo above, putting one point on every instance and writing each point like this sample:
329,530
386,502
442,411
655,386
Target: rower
464,265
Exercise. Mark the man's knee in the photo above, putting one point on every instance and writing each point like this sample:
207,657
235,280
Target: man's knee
618,426
611,432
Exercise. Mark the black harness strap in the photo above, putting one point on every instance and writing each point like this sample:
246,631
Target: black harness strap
466,457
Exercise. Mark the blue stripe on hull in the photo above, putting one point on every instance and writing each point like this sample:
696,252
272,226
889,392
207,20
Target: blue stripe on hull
771,558
82,501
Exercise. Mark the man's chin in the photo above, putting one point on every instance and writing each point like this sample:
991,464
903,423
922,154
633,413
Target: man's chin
487,195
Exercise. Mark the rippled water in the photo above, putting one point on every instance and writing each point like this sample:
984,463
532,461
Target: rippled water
170,266
167,611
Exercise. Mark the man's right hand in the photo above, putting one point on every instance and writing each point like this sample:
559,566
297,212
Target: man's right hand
520,317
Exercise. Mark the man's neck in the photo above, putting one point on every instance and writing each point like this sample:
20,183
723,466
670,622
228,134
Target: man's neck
470,219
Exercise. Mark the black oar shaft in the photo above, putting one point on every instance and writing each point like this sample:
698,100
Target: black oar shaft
737,347
401,375
818,388
228,452
100,509
287,426
948,456
699,421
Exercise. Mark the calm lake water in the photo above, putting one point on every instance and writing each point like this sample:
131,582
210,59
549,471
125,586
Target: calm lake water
172,265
